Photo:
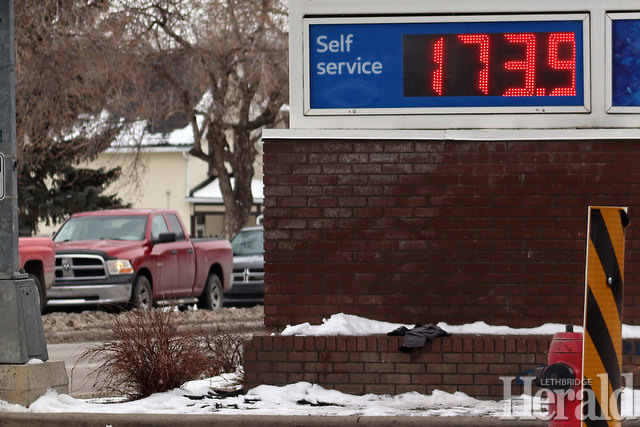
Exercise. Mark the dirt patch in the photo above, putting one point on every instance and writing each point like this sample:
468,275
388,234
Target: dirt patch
95,325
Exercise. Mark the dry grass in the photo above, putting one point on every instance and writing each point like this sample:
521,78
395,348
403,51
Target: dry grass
148,354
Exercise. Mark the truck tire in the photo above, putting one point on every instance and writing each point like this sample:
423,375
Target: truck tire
141,296
211,298
42,294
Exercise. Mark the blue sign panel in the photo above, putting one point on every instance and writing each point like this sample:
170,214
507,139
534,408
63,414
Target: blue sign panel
476,64
625,62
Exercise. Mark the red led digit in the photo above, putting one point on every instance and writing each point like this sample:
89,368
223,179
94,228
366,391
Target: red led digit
483,41
438,58
563,64
528,65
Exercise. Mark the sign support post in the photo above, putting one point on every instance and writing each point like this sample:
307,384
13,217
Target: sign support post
602,343
21,331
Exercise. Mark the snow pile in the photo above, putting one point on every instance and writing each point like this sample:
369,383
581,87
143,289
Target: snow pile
348,324
303,399
343,324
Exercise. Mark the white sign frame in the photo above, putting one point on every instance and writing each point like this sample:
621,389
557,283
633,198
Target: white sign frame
610,17
598,119
585,108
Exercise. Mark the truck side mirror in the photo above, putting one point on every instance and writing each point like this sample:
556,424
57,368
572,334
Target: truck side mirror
164,238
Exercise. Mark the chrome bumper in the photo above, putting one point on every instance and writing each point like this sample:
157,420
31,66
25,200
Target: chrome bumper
89,294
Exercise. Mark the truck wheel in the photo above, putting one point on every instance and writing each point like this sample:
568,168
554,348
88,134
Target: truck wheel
211,298
42,296
141,296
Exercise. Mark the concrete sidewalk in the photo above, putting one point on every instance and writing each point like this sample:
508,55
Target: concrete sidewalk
13,419
21,419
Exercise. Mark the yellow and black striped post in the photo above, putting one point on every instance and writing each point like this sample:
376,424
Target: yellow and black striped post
602,344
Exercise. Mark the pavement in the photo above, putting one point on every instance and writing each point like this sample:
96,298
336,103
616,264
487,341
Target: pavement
15,419
22,419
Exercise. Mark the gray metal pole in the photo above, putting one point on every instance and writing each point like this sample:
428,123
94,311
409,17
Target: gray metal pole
9,262
21,332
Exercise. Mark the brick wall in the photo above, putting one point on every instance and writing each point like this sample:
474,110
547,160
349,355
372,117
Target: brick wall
373,364
429,231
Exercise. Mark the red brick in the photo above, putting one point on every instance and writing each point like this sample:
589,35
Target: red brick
273,355
333,356
350,388
407,388
457,378
333,378
520,358
474,368
409,368
273,378
379,389
367,357
294,377
320,367
504,369
394,357
379,367
427,357
395,378
287,367
350,367
426,378
304,356
442,368
362,378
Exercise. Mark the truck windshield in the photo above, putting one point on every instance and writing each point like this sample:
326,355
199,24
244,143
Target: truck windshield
248,242
102,228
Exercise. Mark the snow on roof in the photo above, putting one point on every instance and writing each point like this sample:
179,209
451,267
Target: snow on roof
137,134
210,193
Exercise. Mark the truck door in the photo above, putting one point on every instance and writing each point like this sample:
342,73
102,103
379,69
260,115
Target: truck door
164,256
183,286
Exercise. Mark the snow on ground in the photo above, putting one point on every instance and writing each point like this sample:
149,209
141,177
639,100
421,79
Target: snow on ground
200,397
301,399
348,324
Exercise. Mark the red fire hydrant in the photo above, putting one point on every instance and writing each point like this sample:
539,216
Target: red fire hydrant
563,376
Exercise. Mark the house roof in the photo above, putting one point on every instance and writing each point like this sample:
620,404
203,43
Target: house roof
209,192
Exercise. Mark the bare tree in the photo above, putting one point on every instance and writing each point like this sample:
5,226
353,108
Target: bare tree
69,73
226,63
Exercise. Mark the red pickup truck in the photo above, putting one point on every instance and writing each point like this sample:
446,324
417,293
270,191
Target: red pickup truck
139,257
36,259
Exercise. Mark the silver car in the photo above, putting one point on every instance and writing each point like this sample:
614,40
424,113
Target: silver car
247,282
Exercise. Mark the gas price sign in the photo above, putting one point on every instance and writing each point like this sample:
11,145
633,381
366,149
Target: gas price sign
475,64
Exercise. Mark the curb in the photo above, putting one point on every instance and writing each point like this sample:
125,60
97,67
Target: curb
22,419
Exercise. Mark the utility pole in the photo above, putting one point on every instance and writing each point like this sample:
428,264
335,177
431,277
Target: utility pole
9,262
21,332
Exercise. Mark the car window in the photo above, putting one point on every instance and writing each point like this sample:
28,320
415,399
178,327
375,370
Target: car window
176,226
158,225
107,227
248,242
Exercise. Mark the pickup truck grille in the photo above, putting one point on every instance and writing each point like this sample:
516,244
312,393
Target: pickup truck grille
248,275
80,267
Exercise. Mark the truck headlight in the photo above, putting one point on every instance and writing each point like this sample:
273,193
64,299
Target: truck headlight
119,266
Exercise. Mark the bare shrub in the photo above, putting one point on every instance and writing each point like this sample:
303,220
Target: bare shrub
224,350
147,354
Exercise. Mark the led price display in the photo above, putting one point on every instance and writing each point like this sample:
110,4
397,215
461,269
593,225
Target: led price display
473,64
497,64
